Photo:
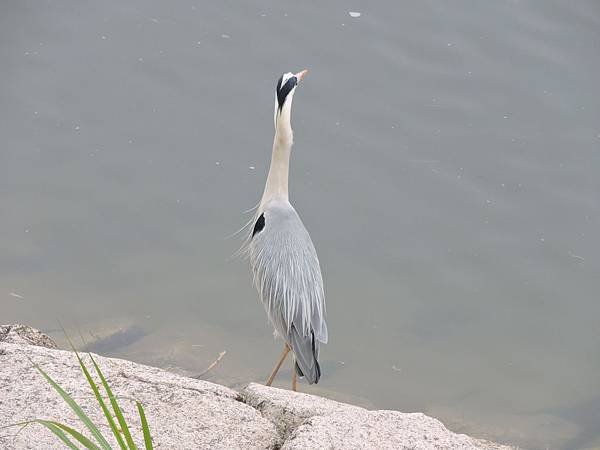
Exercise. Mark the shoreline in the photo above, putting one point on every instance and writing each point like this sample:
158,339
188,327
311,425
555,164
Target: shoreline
189,413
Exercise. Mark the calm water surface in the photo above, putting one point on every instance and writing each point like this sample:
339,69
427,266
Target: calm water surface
446,164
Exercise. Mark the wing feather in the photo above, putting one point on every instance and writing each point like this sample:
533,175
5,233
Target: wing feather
288,278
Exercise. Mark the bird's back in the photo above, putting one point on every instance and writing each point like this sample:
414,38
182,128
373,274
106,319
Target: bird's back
288,278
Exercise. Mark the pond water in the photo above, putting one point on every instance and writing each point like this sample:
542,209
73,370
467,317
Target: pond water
446,165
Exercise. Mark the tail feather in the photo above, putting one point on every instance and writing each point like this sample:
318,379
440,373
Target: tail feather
306,351
301,374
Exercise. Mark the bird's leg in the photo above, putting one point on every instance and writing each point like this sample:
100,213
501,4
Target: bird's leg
294,378
286,350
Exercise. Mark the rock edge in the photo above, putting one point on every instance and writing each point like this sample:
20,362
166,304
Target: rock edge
186,413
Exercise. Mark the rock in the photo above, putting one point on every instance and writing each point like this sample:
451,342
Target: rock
184,413
288,409
106,336
22,334
380,430
306,421
116,340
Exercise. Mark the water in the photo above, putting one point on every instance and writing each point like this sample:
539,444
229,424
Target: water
446,164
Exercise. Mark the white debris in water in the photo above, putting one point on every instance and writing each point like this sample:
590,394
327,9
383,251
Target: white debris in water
77,127
225,36
141,59
251,167
152,19
218,163
15,295
574,256
103,38
449,44
26,230
354,14
396,369
506,116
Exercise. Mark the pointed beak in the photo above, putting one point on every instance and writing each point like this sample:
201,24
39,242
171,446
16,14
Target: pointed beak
301,75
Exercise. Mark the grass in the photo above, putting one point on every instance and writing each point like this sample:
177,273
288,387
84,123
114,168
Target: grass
119,428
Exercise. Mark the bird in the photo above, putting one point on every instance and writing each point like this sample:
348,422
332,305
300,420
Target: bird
285,267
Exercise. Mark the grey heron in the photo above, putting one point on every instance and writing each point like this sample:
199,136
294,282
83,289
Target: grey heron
284,262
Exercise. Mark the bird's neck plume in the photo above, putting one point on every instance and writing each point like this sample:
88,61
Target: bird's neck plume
277,180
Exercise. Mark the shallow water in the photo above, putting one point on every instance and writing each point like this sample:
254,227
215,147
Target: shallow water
446,164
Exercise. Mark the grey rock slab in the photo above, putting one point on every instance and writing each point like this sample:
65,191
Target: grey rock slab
288,409
307,421
22,334
380,430
183,413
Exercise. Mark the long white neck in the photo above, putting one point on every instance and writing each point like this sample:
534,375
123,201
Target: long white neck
277,180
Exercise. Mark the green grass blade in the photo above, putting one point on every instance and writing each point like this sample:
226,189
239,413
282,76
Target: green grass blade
58,433
116,407
73,432
46,423
107,414
76,409
145,427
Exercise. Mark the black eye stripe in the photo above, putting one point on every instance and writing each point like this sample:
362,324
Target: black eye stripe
283,91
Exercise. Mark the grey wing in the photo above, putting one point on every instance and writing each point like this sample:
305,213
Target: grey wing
288,277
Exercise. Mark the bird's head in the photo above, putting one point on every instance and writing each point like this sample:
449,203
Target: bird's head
284,94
